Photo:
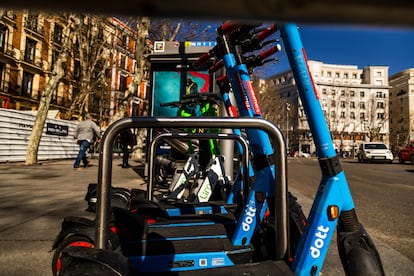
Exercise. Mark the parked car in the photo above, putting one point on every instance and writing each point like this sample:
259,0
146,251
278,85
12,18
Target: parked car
406,153
374,151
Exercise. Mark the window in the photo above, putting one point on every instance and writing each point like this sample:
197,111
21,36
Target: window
342,92
342,114
346,75
2,66
352,104
3,34
30,50
333,114
378,94
352,115
32,21
122,61
58,34
379,74
362,115
362,105
55,55
124,40
134,65
336,75
352,93
380,105
354,76
380,115
343,104
329,74
333,92
362,94
333,103
324,91
122,83
77,70
27,84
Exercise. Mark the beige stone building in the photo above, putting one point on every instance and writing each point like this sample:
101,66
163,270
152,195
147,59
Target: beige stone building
355,102
401,108
29,46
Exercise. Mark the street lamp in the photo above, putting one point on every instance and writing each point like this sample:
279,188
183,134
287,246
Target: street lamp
287,124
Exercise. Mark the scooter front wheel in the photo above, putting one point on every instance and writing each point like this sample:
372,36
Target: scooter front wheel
71,241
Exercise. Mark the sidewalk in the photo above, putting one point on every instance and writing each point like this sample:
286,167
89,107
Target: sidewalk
33,202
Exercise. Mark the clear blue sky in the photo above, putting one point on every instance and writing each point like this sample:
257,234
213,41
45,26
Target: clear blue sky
360,45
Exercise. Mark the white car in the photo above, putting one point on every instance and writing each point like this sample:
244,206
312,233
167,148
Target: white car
374,151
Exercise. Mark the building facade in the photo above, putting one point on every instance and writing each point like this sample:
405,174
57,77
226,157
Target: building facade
401,108
355,102
30,43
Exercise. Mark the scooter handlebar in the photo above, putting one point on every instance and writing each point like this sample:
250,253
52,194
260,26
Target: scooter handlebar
228,27
266,33
219,64
270,51
202,59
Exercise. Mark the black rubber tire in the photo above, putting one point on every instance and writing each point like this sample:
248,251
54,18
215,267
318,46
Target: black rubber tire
74,240
297,222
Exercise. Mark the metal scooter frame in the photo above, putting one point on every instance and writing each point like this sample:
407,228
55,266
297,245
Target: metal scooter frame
357,251
185,135
105,166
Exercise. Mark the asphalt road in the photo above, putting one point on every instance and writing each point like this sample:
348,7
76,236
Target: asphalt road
384,202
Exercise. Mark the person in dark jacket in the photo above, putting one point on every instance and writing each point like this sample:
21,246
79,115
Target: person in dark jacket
85,133
127,141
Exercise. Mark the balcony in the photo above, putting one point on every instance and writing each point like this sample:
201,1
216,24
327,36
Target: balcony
35,62
9,17
33,28
9,52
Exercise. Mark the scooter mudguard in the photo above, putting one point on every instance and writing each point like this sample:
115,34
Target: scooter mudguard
358,253
82,227
75,225
93,261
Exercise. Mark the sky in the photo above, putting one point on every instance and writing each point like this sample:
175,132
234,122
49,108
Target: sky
358,45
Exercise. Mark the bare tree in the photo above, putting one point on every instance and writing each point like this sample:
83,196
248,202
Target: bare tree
172,29
56,76
91,61
142,25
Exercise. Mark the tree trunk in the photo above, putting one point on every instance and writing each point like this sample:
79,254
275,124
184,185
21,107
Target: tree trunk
57,74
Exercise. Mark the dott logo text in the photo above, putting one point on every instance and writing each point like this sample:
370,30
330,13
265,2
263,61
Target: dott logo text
248,218
319,241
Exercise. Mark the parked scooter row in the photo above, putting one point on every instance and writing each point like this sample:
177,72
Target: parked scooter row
252,225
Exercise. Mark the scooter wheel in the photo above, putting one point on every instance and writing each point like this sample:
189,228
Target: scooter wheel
71,241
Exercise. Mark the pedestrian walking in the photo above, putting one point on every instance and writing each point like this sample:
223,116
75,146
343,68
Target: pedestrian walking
127,141
86,133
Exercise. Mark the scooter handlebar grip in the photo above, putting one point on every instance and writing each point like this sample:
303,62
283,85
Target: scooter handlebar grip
266,33
228,27
201,60
219,64
270,51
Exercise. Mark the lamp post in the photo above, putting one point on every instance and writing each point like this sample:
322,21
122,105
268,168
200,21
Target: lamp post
287,124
